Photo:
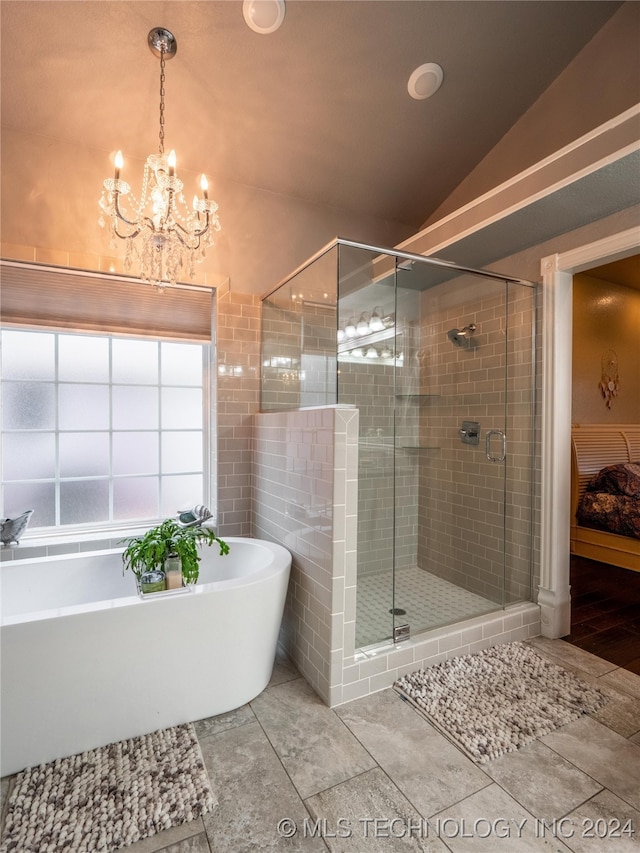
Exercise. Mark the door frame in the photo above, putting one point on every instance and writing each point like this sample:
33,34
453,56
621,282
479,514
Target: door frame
557,332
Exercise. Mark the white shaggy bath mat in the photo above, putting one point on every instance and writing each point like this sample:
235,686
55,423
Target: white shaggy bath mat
499,699
107,798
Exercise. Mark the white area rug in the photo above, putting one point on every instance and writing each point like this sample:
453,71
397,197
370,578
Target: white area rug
499,699
107,798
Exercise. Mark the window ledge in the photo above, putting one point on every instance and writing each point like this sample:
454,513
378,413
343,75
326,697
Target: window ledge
69,542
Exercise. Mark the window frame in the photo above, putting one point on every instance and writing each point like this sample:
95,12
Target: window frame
111,528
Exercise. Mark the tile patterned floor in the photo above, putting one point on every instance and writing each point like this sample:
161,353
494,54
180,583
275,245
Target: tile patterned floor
429,602
373,775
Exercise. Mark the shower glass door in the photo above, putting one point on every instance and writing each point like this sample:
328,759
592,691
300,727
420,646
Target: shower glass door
439,363
368,354
464,423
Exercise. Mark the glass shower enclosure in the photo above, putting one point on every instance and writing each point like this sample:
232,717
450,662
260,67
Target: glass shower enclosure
439,361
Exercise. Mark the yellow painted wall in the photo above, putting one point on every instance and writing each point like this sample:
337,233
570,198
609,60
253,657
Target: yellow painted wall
606,316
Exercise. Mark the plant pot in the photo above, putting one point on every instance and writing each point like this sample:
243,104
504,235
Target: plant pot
153,582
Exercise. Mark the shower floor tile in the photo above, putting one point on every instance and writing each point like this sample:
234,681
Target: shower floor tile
429,602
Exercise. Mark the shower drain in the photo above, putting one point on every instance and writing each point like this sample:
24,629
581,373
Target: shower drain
397,611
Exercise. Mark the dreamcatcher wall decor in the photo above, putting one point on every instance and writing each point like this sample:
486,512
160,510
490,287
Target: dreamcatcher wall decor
609,379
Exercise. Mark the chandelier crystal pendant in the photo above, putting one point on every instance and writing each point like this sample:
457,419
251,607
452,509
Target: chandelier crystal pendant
165,236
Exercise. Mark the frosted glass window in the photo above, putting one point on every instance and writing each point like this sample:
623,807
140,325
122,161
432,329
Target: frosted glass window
84,454
181,408
40,497
83,358
135,362
135,497
180,492
28,355
29,456
181,451
82,501
136,453
29,405
83,407
181,364
134,407
107,434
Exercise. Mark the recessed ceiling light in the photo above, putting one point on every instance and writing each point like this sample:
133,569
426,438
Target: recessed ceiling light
263,16
425,81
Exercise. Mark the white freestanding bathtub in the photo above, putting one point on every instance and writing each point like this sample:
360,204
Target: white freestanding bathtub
86,661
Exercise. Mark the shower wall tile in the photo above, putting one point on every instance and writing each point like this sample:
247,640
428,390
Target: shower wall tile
303,498
237,397
372,388
366,673
322,482
460,536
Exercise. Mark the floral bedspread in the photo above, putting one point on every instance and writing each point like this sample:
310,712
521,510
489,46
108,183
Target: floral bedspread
611,500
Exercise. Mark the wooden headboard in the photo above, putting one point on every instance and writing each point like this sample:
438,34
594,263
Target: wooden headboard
594,446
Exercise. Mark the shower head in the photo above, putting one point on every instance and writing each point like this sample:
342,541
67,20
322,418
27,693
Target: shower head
461,337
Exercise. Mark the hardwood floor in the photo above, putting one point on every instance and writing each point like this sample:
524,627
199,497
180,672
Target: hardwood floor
605,612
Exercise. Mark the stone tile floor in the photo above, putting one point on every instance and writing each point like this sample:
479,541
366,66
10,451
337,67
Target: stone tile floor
291,774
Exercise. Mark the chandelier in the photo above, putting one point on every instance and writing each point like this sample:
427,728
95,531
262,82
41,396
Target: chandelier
162,233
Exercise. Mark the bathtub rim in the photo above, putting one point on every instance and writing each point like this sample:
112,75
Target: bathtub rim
280,560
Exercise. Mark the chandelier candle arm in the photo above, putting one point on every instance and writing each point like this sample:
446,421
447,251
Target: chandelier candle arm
162,233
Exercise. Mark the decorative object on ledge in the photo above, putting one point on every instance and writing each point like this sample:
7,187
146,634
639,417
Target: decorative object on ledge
11,529
149,552
161,232
195,516
609,378
152,582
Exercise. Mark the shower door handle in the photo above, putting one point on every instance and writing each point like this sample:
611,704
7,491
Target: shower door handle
503,445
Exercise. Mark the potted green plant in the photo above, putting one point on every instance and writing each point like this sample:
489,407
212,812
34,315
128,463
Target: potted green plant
148,552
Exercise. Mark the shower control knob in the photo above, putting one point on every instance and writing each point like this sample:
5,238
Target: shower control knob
469,432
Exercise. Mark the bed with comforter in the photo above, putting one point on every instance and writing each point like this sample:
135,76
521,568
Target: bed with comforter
606,493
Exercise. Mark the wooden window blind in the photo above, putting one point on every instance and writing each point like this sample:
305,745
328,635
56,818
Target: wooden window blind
50,297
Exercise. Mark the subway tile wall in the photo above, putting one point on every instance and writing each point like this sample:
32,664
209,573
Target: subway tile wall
302,459
388,470
306,499
299,365
461,492
237,396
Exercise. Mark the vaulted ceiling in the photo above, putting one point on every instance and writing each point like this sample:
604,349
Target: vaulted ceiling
317,111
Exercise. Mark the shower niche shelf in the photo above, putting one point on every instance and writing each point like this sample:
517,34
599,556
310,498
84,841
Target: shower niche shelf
417,397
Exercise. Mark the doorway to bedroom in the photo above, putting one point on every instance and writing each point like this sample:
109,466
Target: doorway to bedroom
605,588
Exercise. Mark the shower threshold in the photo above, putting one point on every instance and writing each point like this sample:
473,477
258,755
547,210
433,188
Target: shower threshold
429,601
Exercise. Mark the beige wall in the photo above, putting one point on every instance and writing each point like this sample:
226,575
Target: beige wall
51,216
606,316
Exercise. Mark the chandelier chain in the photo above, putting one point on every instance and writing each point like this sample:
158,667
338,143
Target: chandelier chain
162,78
